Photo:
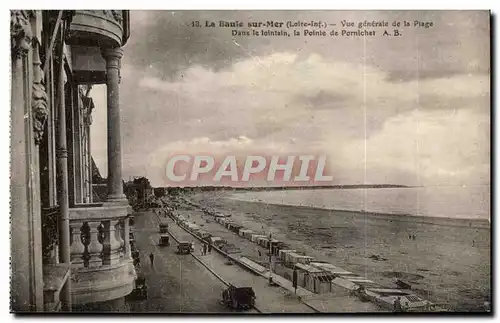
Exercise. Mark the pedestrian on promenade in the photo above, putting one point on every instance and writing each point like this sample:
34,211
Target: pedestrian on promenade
204,249
209,248
152,259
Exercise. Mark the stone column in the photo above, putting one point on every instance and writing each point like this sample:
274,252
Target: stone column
115,186
28,111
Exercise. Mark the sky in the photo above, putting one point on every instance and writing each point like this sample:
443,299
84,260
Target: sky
411,111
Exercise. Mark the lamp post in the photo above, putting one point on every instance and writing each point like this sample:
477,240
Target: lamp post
270,259
270,249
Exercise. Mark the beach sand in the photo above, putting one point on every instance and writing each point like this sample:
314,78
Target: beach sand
445,263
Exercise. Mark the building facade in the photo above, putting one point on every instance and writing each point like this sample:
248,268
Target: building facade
68,251
138,191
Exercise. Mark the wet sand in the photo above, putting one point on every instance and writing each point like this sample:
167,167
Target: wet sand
446,263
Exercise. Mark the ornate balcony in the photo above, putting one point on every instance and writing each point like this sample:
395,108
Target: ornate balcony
99,28
90,32
102,267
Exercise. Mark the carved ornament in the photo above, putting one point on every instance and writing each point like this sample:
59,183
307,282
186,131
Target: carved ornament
20,32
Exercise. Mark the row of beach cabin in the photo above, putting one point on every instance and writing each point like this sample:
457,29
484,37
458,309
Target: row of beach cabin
322,277
198,231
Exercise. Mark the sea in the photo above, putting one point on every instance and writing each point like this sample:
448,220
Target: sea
449,261
453,202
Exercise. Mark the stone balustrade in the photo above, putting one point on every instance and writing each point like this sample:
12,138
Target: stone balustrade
101,261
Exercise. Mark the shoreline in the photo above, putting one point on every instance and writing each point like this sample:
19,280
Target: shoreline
449,263
400,217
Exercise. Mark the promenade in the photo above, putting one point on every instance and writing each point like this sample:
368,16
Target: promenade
176,283
338,302
269,299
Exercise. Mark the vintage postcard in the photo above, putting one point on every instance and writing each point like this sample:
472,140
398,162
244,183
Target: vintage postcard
249,162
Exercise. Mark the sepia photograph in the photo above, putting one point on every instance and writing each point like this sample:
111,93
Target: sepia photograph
247,162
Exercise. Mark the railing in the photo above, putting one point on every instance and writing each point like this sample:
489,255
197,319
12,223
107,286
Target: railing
97,243
100,253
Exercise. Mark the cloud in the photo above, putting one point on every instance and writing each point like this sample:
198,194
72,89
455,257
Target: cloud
430,147
419,105
458,42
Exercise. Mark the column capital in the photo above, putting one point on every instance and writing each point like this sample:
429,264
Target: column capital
110,53
20,32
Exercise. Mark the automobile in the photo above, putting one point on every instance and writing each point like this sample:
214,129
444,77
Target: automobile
239,297
184,247
140,291
164,240
163,227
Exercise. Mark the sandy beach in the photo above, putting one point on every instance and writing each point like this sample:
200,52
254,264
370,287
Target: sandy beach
446,263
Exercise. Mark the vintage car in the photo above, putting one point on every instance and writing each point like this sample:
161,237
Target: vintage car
184,247
164,240
239,297
163,227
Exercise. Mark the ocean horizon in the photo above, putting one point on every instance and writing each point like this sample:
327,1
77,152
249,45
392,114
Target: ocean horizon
446,202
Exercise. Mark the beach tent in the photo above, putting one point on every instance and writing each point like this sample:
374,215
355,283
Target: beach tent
248,234
291,258
265,242
261,241
236,227
271,243
280,246
314,279
329,267
385,298
304,259
284,252
303,271
255,236
294,258
344,283
244,231
276,247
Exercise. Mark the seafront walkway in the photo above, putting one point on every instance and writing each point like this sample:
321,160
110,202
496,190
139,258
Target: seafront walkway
175,283
338,302
270,299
